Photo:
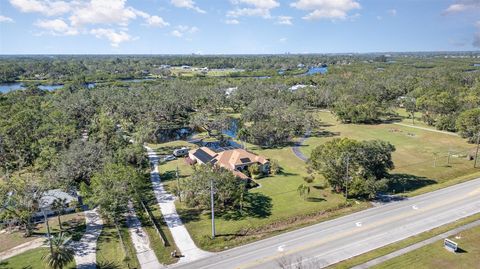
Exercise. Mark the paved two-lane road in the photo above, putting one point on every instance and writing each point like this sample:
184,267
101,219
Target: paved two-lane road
339,239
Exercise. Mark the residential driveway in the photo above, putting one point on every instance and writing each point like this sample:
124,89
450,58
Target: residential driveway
86,248
186,246
145,254
298,144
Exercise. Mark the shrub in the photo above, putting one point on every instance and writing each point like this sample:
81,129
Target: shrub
274,167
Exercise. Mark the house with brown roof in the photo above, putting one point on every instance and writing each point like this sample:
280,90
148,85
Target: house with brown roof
235,160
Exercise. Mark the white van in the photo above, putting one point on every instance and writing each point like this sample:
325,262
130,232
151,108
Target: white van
180,152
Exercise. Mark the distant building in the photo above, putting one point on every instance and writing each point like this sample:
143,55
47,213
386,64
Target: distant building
48,198
235,160
230,90
298,86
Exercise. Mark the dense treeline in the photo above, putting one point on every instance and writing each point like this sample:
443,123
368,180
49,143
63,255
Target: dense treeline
73,136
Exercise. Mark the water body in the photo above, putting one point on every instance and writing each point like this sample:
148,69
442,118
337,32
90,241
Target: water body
233,130
13,86
6,87
317,70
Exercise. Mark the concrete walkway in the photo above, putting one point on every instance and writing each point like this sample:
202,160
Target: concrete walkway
186,246
35,243
426,129
145,254
86,248
418,245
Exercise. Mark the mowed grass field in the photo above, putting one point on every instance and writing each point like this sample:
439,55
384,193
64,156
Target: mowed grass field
419,153
276,205
436,256
31,259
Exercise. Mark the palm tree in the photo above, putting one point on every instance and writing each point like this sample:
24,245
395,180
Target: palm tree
58,206
61,254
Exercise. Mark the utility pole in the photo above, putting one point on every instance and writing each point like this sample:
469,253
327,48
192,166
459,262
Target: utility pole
476,152
346,179
212,206
48,231
178,185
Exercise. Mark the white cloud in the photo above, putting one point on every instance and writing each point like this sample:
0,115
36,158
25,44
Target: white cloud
392,12
463,5
262,4
379,18
46,7
326,9
5,19
115,37
97,17
156,21
177,33
257,8
56,27
103,12
233,21
190,4
256,12
285,20
181,30
283,39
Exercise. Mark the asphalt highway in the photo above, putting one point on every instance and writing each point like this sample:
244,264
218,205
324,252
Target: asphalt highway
332,241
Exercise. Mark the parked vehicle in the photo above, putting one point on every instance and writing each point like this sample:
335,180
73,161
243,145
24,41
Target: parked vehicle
169,158
180,152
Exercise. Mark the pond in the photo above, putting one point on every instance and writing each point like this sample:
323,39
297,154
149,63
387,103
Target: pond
6,87
317,70
232,130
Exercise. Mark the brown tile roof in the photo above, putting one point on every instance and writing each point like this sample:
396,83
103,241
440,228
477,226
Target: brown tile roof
228,159
234,157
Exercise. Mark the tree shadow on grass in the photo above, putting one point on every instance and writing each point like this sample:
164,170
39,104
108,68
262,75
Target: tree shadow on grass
256,205
407,182
319,187
323,133
189,214
315,199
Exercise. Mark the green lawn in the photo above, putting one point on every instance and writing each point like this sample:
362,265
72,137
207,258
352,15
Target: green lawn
31,259
414,156
436,256
73,224
110,250
275,206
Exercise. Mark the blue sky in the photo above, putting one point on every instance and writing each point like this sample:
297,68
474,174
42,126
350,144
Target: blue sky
237,26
